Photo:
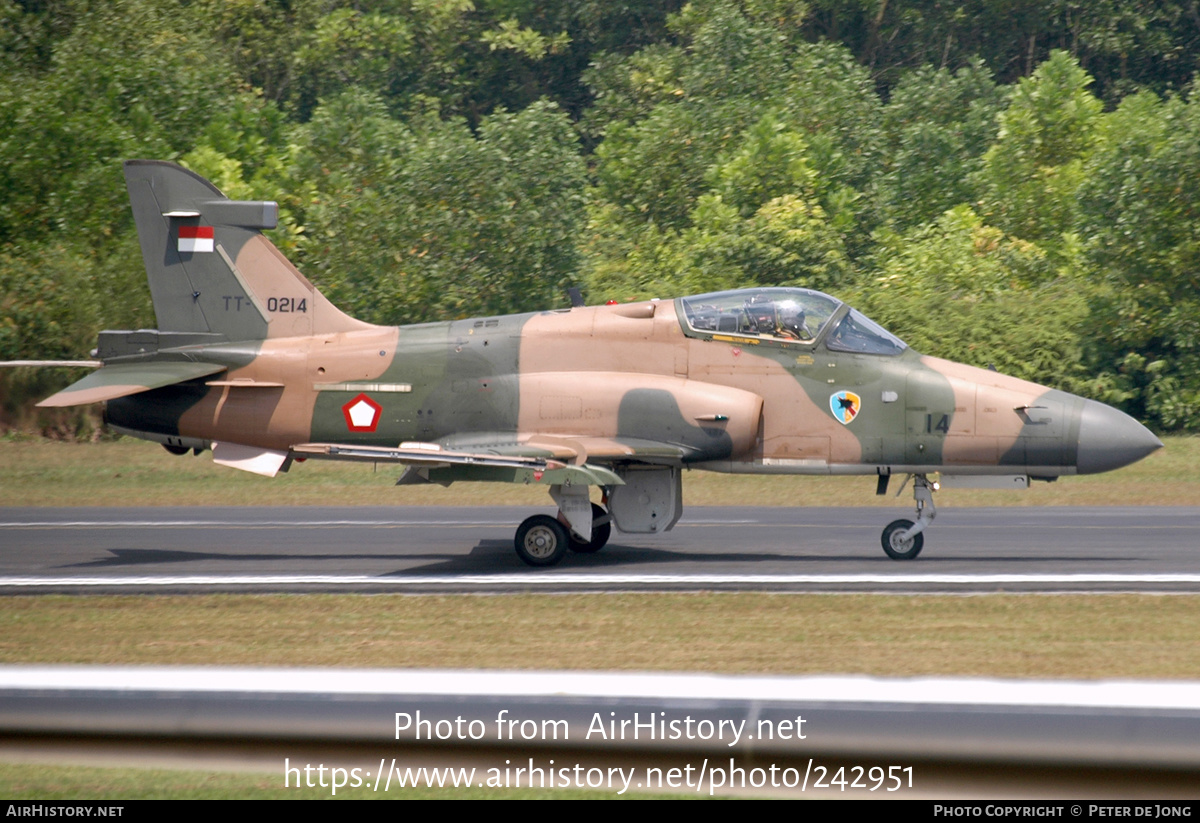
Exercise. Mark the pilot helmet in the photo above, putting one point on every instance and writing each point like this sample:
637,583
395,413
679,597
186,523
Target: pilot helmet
791,319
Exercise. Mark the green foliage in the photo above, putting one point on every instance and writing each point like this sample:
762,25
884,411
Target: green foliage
695,100
1031,172
47,305
250,129
1141,224
347,48
123,83
626,89
938,125
422,174
510,35
1128,46
655,169
261,38
787,241
1140,207
771,162
297,52
423,223
741,102
965,291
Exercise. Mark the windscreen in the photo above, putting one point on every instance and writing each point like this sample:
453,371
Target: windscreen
858,333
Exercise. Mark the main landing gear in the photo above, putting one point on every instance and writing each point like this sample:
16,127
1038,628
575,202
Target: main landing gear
601,530
646,500
904,539
543,540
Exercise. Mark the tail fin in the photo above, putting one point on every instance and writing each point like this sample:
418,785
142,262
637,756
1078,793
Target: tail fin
211,270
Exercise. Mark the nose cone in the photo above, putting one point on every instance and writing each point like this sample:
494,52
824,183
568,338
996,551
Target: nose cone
1109,439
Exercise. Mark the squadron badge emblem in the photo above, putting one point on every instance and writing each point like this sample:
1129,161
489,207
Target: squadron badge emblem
845,406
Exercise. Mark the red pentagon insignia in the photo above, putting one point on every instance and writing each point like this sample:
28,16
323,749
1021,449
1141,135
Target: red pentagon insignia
362,414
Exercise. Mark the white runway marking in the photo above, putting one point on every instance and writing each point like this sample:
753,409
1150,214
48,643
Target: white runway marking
16,525
528,580
1183,695
241,524
170,524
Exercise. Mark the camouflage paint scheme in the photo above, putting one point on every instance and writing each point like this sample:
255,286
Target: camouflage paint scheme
249,359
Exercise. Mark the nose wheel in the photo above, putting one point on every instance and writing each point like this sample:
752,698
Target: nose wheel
898,545
904,539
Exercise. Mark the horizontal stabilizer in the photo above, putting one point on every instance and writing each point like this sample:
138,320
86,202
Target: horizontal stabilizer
124,379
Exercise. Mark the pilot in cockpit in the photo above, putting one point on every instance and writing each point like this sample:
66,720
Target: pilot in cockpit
785,319
760,314
791,321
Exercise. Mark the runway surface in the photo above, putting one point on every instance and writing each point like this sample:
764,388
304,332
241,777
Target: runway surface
447,549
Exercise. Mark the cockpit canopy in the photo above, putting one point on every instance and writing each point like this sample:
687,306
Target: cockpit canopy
788,315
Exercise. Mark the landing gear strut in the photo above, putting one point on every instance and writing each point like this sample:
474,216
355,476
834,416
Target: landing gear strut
903,539
641,499
601,530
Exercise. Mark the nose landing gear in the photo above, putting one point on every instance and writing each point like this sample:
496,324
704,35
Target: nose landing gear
904,539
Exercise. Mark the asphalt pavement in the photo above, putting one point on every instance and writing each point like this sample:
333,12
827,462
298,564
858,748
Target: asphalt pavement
712,548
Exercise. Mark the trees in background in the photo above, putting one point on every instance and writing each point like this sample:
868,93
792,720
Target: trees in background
1004,184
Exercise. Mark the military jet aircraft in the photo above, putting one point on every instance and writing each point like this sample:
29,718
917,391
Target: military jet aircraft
251,361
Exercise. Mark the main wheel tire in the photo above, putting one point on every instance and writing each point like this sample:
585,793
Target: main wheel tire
600,534
541,541
898,549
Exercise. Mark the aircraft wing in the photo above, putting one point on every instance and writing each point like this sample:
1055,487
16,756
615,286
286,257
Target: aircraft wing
600,449
540,459
421,454
429,463
122,379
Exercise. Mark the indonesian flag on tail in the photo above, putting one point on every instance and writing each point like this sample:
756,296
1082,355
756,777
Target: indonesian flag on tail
195,238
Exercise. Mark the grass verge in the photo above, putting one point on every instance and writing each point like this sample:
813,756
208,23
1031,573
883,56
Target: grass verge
1026,636
1084,637
48,782
1065,636
129,472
